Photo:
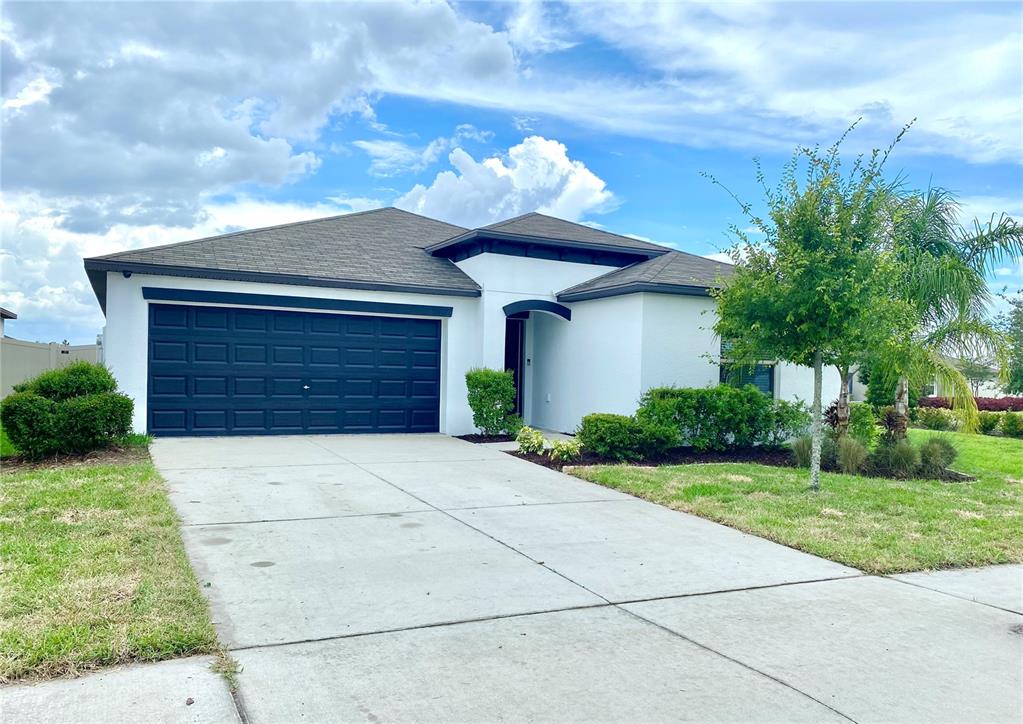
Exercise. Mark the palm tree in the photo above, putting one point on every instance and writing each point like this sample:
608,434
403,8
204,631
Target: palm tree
944,268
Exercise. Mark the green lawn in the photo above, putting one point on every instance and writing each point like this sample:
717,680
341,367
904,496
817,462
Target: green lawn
94,571
878,526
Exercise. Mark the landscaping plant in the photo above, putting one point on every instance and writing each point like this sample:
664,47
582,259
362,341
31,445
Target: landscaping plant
565,451
715,418
852,454
899,459
812,286
863,424
1012,424
491,398
935,418
620,437
70,410
936,454
989,422
530,441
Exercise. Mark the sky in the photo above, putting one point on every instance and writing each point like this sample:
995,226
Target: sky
133,124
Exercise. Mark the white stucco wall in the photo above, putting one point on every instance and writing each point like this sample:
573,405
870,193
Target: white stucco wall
591,364
679,344
793,382
127,333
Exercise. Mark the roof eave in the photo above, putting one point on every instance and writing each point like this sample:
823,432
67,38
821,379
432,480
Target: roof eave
635,288
542,240
97,268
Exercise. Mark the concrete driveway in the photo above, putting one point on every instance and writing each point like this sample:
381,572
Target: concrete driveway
424,578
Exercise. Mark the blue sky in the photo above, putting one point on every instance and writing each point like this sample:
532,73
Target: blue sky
132,125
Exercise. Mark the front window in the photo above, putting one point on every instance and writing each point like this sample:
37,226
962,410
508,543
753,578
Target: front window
760,376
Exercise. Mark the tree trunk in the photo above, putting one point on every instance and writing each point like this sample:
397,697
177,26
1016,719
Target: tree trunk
901,408
816,430
842,423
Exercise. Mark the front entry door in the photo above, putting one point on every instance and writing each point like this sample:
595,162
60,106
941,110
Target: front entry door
514,349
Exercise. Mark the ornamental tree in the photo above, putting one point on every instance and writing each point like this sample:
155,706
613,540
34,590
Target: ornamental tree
813,287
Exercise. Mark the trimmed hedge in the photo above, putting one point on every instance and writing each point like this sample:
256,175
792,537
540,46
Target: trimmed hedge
716,418
70,410
1012,424
491,398
621,437
987,404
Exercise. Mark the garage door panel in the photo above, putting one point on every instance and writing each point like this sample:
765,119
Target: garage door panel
242,371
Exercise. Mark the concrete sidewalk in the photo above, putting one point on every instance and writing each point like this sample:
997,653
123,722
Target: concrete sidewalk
423,578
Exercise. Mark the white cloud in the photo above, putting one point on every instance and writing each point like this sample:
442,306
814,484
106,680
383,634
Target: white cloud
390,158
532,29
535,175
41,273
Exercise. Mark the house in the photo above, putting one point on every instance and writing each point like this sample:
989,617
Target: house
5,314
367,322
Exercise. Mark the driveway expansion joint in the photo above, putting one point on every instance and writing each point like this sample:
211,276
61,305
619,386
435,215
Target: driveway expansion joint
953,595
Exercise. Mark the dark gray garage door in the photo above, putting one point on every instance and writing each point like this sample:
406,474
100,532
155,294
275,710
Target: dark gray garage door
228,371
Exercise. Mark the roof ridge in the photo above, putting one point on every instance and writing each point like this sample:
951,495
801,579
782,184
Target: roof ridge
287,224
516,218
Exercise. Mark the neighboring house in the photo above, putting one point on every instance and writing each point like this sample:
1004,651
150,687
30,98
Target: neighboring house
5,314
368,322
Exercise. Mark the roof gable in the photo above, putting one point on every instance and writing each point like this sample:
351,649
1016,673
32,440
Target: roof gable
675,272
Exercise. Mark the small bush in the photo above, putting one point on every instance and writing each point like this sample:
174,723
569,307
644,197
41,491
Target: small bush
713,418
512,424
491,398
621,437
1012,424
936,454
93,421
935,418
39,426
75,380
802,449
897,460
989,422
530,441
863,424
565,451
851,454
30,422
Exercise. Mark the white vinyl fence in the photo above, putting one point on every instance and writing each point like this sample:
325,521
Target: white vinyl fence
21,360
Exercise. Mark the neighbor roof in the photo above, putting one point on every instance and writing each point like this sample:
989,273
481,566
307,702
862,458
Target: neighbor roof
538,228
7,314
673,273
379,249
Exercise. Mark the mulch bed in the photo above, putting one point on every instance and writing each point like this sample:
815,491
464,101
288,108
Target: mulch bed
476,438
679,456
688,456
108,456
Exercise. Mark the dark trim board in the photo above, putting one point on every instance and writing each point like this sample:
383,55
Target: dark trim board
633,288
538,305
168,294
485,241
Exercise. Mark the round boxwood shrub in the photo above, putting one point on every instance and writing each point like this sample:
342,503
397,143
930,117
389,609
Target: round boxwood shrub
621,437
70,410
30,422
75,380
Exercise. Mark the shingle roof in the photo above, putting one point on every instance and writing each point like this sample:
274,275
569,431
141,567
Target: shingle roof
548,227
7,314
382,248
674,272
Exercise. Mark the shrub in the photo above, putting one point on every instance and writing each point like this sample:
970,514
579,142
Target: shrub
788,420
898,460
30,422
712,418
491,398
851,454
513,423
863,424
936,454
1012,424
802,448
935,418
39,426
989,422
75,380
93,421
986,404
565,451
530,441
621,437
